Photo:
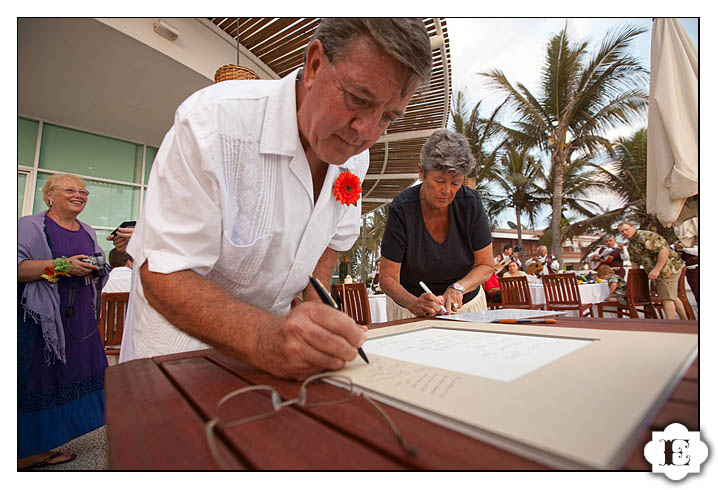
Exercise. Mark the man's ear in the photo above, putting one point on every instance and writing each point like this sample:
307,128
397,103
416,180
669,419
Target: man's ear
421,172
315,58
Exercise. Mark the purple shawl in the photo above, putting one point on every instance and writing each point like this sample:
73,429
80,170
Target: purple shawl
41,298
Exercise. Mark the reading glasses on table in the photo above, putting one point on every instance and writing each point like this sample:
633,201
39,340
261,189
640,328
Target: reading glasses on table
242,413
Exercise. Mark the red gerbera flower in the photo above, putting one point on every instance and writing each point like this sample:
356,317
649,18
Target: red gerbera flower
347,188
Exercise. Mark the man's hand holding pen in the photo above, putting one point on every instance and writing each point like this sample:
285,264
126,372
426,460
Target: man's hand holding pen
311,339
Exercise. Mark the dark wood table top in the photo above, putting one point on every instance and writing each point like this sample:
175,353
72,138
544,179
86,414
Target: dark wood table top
156,411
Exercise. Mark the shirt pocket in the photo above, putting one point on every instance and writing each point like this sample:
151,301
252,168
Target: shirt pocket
239,264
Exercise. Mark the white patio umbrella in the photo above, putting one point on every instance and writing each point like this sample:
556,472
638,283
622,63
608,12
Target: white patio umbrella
672,173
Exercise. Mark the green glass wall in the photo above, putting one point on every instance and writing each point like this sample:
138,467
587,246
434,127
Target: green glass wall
21,180
26,141
93,157
77,152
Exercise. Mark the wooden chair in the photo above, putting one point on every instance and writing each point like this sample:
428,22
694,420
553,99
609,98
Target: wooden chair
562,294
491,305
353,299
112,321
638,298
515,293
682,295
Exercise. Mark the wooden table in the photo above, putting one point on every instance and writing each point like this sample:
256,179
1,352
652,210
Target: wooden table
156,410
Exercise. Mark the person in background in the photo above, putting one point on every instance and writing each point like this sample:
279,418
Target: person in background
616,284
492,289
437,233
121,273
375,279
272,169
548,263
502,261
687,249
662,264
514,270
122,238
613,254
60,358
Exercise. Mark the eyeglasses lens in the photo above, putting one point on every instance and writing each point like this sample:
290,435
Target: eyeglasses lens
71,190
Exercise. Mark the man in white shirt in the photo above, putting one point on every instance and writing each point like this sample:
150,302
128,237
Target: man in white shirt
613,254
502,261
549,264
240,207
121,273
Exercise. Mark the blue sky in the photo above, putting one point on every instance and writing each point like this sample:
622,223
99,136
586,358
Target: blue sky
517,47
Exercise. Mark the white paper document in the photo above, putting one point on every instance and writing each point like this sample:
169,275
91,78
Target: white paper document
497,356
504,313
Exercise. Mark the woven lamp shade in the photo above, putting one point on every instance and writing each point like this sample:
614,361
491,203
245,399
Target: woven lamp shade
234,72
470,182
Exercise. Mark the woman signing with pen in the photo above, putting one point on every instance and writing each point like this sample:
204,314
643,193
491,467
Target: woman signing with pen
437,233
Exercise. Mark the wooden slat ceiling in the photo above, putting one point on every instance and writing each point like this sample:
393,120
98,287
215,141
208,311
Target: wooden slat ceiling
280,43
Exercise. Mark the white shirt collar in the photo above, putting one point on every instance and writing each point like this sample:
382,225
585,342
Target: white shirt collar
280,133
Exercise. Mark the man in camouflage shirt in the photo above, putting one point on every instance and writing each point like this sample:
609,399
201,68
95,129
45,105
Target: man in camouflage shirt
661,263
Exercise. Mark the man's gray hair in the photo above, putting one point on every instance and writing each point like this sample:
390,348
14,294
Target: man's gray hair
447,151
609,235
404,39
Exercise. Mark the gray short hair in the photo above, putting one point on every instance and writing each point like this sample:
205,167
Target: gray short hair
404,39
447,151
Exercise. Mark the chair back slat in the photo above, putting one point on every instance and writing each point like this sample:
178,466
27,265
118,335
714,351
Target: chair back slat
637,289
638,294
353,299
515,292
113,309
561,290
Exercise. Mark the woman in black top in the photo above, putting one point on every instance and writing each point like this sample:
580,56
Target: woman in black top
438,233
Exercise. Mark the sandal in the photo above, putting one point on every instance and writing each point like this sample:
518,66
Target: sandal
54,458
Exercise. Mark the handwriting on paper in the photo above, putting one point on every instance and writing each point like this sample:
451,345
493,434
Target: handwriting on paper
498,356
419,379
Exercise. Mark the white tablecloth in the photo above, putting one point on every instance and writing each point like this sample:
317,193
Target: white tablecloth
377,306
590,294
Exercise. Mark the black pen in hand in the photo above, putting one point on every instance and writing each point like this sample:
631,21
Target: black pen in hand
328,300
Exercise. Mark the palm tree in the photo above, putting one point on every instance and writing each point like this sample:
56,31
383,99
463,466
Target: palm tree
623,170
581,97
486,139
365,250
579,179
516,176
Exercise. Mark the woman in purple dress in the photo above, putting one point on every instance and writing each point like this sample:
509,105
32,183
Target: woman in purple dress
60,360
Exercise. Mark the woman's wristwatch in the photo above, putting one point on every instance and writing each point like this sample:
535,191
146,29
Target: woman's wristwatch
458,286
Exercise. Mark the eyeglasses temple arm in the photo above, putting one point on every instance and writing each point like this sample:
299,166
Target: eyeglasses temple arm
413,451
